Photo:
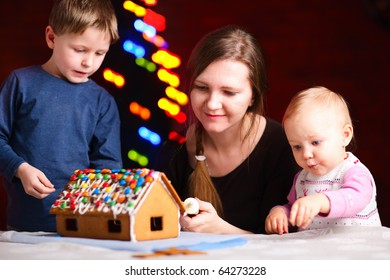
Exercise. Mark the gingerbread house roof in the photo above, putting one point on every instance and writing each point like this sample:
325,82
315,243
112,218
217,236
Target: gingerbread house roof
106,191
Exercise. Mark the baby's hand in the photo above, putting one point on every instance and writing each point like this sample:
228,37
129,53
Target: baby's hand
35,182
306,208
276,221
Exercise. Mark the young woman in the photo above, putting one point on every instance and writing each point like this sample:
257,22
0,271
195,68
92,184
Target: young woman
235,161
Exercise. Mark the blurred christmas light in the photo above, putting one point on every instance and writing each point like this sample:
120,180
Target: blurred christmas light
174,136
169,106
168,77
137,109
149,23
138,158
180,117
155,19
139,11
114,77
149,135
157,40
166,59
148,65
133,48
142,27
150,2
177,95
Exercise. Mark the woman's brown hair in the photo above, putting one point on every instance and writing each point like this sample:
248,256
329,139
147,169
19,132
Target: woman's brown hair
233,43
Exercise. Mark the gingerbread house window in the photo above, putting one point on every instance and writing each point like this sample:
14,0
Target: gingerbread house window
71,224
156,223
114,226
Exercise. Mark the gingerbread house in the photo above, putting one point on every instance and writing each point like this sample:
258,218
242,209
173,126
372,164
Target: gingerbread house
127,204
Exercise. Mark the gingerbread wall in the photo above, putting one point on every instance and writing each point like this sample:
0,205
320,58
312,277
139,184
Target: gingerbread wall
343,45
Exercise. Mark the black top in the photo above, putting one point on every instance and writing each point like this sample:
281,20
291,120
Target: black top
248,192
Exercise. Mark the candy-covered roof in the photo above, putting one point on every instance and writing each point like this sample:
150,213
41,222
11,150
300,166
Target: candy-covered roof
114,191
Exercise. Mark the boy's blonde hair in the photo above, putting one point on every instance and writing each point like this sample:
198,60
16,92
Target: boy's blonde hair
75,16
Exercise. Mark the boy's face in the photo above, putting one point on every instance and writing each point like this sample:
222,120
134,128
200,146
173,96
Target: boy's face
77,56
318,140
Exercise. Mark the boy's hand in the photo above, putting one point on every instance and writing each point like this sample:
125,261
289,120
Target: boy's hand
34,181
306,208
276,221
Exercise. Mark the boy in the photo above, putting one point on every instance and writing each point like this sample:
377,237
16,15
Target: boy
54,119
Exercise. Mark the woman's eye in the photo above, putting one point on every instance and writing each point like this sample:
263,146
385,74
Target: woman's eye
201,88
230,92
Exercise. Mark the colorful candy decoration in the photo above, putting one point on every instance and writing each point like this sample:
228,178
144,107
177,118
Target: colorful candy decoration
103,190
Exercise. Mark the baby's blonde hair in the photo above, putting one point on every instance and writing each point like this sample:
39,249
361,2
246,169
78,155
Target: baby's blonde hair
321,98
75,16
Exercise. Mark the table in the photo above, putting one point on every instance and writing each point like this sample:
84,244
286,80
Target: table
341,243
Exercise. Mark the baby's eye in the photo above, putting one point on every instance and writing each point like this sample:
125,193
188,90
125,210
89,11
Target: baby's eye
297,147
101,53
79,50
316,142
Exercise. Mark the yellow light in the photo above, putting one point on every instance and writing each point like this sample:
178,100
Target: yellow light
151,2
177,95
168,106
108,75
139,11
129,5
119,81
114,78
168,77
166,59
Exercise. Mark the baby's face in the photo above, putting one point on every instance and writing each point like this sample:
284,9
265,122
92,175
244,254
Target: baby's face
78,56
317,139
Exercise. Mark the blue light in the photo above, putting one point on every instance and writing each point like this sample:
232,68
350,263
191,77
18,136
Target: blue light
149,135
141,26
135,49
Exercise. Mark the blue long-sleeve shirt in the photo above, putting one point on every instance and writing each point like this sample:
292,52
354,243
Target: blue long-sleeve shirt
57,127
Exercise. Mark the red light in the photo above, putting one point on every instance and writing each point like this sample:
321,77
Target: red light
176,137
154,19
180,117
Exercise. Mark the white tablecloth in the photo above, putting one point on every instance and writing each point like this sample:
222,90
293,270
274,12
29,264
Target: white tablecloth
350,243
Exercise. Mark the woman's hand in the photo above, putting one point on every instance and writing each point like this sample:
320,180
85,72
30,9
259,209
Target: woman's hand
207,221
35,182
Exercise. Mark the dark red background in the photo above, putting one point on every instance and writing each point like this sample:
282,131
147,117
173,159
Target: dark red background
343,45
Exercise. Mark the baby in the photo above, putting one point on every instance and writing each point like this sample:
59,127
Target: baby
333,188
